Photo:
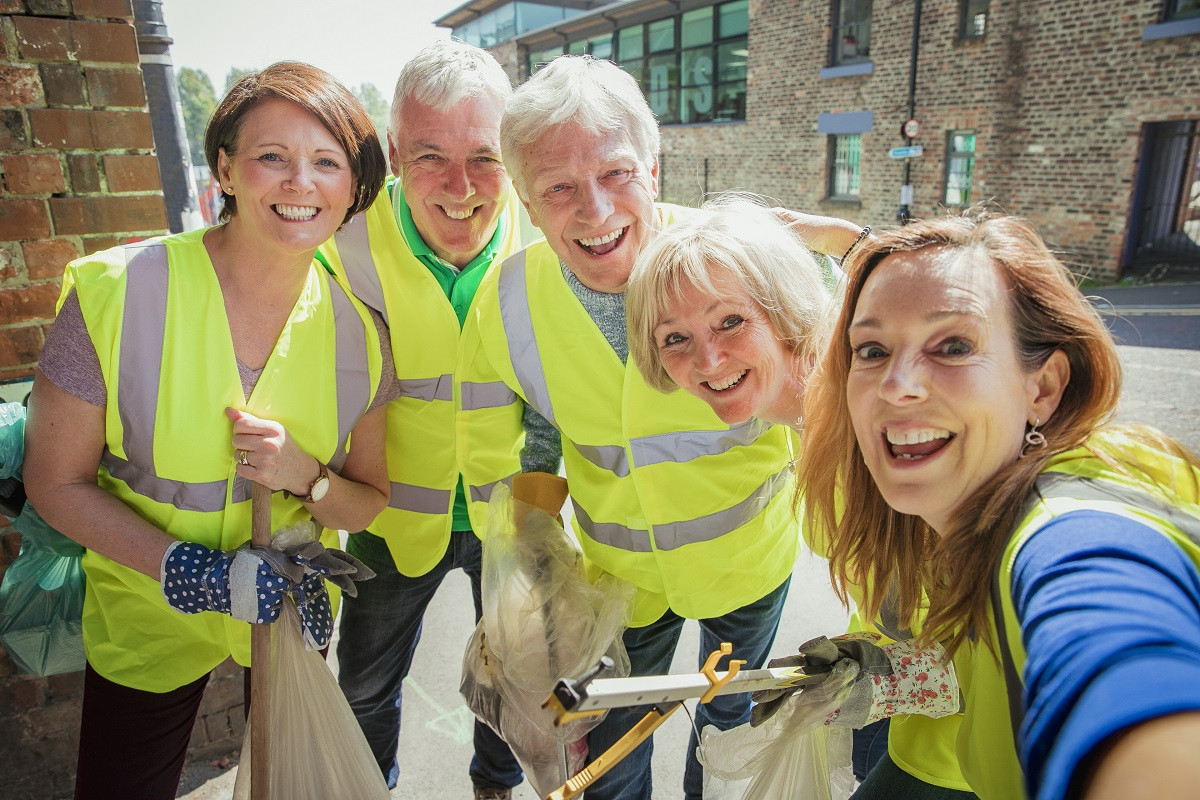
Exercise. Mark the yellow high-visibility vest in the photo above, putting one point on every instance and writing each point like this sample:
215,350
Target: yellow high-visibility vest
695,513
1075,480
371,258
155,313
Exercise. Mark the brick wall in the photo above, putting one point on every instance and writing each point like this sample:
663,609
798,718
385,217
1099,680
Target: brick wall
77,174
1057,94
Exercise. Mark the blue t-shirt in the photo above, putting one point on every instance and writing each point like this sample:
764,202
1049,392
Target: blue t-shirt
1108,612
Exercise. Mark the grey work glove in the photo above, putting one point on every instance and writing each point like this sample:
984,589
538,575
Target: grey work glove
829,668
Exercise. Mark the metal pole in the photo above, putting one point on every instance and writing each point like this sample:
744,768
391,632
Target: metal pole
166,117
904,214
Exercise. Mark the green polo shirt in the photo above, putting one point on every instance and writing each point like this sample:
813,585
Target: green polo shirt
459,285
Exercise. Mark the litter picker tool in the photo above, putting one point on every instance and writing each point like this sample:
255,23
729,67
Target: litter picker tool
592,696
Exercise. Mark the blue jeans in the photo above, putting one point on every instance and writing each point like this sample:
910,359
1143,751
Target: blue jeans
870,744
751,629
379,633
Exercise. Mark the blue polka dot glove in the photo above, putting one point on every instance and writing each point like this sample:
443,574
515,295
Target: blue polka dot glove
239,583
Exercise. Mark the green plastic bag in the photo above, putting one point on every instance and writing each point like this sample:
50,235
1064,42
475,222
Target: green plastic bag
41,600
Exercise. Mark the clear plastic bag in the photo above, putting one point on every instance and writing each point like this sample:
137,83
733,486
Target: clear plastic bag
41,600
12,439
318,750
542,620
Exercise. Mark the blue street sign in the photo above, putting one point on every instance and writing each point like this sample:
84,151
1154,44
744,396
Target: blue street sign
912,151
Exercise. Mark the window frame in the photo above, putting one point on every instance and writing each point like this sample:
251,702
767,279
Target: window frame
967,11
953,156
853,165
837,26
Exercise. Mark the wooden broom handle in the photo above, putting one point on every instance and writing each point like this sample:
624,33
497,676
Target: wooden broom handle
260,660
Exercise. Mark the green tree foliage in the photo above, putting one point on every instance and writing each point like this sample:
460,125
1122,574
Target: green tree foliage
377,107
234,75
198,99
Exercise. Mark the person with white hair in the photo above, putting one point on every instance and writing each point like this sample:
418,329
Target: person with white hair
417,256
692,511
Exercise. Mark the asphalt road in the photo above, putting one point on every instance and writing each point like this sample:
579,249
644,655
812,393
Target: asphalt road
1162,387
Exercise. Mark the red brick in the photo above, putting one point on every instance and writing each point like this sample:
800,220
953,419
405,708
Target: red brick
109,9
38,173
12,130
113,130
53,8
42,39
61,128
84,215
19,86
20,347
12,263
22,694
63,84
132,173
23,218
28,303
84,170
47,258
104,41
10,6
116,87
94,244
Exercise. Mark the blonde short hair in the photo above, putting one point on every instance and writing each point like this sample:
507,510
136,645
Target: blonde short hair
738,234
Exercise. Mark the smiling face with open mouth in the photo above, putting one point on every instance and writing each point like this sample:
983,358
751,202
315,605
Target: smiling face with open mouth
720,346
592,195
291,178
448,162
937,394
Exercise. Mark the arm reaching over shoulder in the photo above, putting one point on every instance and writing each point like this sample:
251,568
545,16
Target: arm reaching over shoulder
829,236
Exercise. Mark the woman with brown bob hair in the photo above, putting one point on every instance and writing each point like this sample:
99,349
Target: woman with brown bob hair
959,439
179,370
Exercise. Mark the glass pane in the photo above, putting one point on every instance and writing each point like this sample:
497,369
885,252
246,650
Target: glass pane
629,43
962,142
506,22
1186,8
731,101
487,29
697,27
958,181
846,156
536,15
469,33
634,68
577,48
731,61
696,105
600,46
733,19
697,67
662,80
852,36
662,35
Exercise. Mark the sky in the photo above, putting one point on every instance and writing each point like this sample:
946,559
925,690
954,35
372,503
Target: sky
367,42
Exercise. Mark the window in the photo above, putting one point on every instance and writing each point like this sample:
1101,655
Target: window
960,164
540,58
974,18
1183,9
691,66
845,154
851,32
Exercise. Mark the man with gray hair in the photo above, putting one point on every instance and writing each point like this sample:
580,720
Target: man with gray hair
417,257
695,513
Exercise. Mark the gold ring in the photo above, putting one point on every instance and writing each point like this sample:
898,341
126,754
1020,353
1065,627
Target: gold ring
243,458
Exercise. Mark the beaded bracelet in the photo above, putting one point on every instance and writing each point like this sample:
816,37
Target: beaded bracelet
854,244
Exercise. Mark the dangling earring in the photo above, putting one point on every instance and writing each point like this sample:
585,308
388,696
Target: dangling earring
1034,439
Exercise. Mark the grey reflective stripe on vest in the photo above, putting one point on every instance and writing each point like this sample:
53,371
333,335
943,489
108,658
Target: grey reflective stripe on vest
421,499
429,389
606,456
493,394
518,330
672,535
889,615
1063,485
143,327
354,248
675,447
483,494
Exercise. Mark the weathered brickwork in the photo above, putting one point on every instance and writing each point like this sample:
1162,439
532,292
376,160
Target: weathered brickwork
1057,94
77,174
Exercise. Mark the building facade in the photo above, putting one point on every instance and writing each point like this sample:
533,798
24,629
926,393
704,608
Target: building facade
1083,116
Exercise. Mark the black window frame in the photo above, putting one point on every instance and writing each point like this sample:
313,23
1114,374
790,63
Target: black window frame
839,34
1174,11
968,10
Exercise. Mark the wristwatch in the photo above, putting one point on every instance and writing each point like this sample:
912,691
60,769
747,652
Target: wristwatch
319,487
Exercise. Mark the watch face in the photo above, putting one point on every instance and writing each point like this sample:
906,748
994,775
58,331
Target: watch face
319,488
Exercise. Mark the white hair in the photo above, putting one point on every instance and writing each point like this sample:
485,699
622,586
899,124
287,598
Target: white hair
597,95
447,72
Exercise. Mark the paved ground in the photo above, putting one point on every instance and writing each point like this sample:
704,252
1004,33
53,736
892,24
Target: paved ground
1162,387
